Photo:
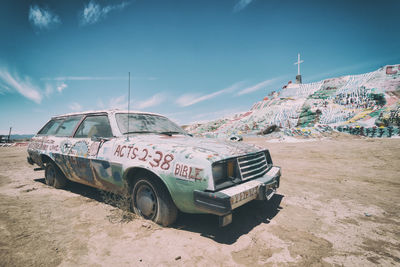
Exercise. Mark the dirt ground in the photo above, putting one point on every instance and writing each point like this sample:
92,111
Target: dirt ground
338,204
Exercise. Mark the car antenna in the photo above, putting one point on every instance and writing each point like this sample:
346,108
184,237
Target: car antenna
129,100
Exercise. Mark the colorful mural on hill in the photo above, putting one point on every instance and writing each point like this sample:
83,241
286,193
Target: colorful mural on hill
366,104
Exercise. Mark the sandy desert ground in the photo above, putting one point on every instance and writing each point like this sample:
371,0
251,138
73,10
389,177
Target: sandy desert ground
338,204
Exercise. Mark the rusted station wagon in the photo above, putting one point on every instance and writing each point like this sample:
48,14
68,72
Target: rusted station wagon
160,166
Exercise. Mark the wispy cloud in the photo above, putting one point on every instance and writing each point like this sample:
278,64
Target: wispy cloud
256,87
48,89
61,87
119,102
191,99
84,78
94,12
75,106
43,18
151,102
240,5
97,78
24,86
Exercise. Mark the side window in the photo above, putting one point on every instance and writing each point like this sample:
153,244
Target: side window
50,128
68,125
94,126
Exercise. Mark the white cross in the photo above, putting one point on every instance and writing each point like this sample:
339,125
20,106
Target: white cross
298,63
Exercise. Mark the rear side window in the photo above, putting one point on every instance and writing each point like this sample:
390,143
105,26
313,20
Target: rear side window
68,125
94,126
50,128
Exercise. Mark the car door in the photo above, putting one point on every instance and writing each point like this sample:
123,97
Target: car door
61,137
88,139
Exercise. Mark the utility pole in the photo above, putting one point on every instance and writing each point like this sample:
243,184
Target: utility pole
9,136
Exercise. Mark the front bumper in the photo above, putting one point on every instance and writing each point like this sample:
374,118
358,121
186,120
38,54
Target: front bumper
223,202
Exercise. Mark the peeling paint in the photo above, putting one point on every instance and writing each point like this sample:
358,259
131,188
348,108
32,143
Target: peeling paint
182,162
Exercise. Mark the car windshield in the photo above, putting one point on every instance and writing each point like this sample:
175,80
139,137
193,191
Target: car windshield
147,123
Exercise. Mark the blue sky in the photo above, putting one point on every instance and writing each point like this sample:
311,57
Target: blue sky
189,60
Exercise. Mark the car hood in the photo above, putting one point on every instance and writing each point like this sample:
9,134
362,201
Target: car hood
211,149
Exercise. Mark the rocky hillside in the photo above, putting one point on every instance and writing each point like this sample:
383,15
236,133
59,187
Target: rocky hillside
366,104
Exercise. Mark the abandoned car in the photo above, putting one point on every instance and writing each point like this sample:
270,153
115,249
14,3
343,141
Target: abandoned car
162,168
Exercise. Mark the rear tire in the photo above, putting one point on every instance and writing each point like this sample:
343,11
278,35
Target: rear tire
152,201
54,176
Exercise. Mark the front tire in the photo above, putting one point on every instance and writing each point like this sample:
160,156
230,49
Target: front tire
151,200
54,176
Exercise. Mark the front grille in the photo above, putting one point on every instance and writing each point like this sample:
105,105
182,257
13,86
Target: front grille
253,165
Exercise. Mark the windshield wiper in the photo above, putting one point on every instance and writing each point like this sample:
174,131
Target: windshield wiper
139,132
170,133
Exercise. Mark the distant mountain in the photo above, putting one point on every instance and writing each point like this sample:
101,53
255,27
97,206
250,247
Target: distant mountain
367,104
21,136
14,137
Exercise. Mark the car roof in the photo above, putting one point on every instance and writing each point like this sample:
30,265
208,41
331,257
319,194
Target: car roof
108,111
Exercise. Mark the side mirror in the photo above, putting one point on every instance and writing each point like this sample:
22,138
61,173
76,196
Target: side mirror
95,138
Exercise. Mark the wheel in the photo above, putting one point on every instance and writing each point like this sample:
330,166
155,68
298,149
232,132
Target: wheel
54,176
151,200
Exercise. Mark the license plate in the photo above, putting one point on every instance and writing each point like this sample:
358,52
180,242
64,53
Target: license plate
244,197
243,193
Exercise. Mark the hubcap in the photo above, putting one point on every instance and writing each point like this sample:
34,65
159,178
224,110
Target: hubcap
146,201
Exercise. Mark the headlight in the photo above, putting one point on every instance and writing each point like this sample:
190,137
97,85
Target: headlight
225,171
218,171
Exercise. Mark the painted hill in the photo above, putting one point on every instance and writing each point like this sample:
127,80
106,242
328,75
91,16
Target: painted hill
366,104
